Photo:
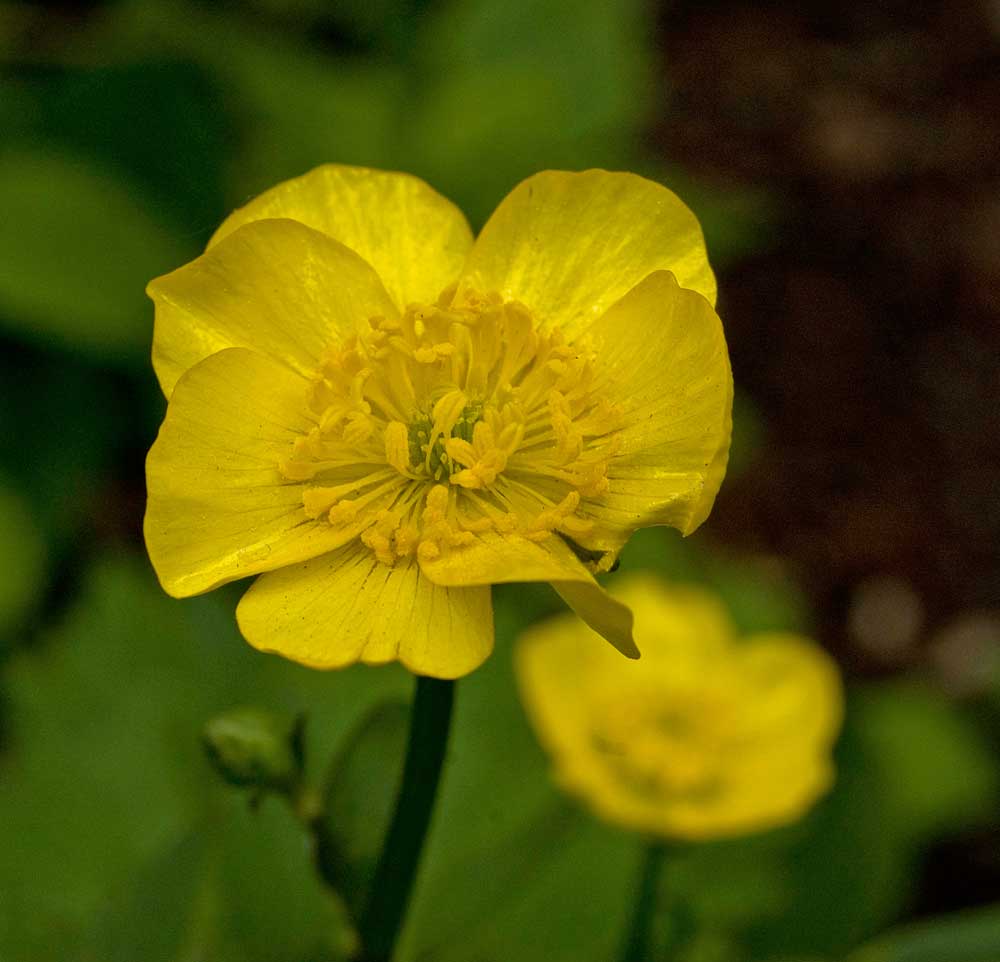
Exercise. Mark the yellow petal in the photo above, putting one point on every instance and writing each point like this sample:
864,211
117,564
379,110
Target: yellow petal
568,245
217,508
276,286
345,607
415,238
493,558
800,685
664,362
606,615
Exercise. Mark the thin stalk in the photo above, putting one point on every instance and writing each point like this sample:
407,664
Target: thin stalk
636,946
396,869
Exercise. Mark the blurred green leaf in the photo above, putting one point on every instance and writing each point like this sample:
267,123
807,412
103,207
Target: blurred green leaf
940,774
908,768
964,937
157,125
360,793
62,425
213,896
749,432
291,105
105,771
760,593
76,251
23,555
510,89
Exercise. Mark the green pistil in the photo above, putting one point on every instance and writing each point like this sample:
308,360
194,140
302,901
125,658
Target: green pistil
419,433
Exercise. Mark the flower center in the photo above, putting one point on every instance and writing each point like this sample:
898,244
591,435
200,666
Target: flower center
671,745
454,421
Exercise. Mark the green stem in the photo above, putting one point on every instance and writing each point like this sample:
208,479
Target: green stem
397,865
636,947
307,806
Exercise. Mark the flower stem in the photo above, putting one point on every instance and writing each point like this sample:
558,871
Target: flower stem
397,865
636,947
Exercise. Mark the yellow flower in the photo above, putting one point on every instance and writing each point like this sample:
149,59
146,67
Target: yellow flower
707,736
383,418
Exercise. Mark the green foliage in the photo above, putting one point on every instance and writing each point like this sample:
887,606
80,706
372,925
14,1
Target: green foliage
76,253
940,774
22,562
963,937
359,793
106,777
584,83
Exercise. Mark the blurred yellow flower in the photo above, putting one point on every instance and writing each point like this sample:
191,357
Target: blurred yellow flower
707,736
383,417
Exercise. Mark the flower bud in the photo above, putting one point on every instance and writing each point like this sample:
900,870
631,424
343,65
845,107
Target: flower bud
254,748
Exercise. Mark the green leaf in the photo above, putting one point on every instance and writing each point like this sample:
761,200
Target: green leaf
909,767
23,556
292,105
76,251
963,937
940,774
359,793
512,89
759,592
213,896
842,856
157,126
105,770
60,425
737,220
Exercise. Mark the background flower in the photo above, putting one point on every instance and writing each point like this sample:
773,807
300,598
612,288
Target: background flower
708,736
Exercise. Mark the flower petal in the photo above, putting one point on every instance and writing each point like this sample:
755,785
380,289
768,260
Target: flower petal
568,245
218,509
493,558
276,286
345,607
664,362
416,239
800,686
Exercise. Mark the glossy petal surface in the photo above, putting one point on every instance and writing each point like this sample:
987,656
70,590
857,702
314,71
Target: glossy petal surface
499,559
276,286
345,607
568,245
666,365
218,509
416,239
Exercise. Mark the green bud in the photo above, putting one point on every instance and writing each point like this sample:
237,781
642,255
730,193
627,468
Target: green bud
256,749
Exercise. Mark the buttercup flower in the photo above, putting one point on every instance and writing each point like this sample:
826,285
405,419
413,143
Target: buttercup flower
707,736
382,417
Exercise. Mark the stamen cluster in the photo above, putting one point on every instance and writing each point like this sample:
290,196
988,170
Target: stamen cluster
453,421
